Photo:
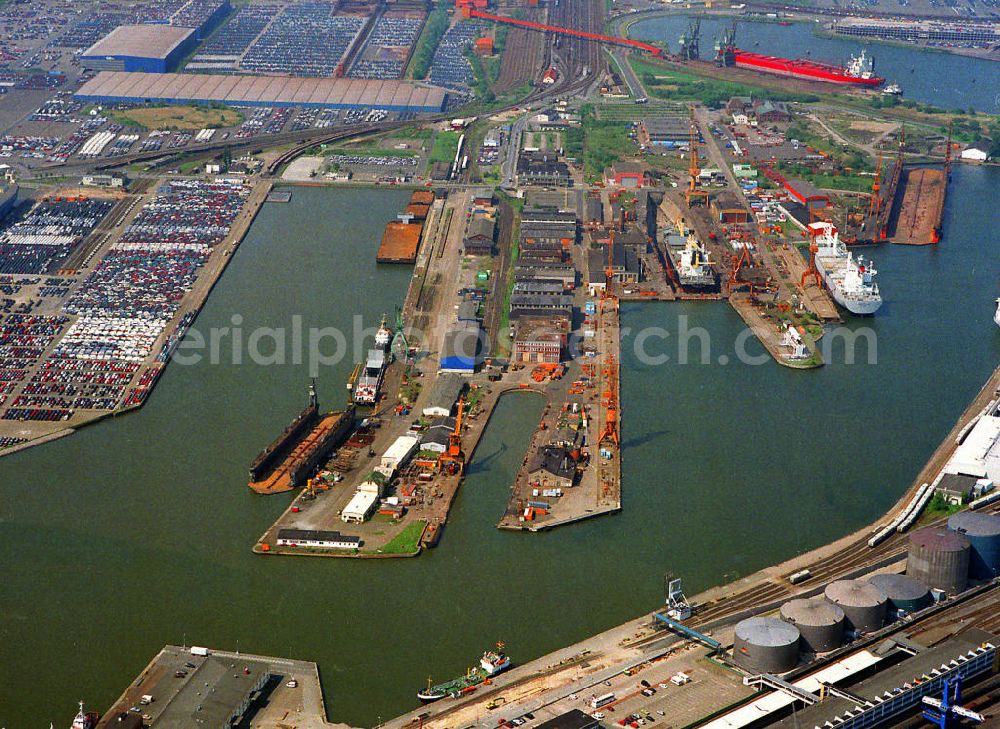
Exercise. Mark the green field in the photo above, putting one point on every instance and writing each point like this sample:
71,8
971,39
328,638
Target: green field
407,540
427,43
603,143
445,147
178,117
370,152
676,85
626,111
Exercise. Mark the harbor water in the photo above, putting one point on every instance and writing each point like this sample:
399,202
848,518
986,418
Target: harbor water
136,532
956,82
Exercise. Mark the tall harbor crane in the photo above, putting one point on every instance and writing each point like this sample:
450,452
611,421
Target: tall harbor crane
725,47
610,402
608,295
694,193
452,461
875,206
688,42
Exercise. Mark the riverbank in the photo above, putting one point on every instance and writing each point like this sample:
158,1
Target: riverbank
730,469
819,24
895,63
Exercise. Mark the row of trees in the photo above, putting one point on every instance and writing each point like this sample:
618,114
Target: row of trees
437,25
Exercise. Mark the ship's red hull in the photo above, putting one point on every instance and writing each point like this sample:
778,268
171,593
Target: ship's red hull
798,68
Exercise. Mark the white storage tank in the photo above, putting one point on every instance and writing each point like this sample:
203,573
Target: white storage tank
766,645
820,623
863,603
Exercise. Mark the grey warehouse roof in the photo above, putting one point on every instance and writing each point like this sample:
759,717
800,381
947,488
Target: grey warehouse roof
143,41
260,90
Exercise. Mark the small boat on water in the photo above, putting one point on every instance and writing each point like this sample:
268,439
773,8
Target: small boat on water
996,314
85,719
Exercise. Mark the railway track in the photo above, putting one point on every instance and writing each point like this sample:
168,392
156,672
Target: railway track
856,556
753,597
582,56
505,242
564,87
577,56
524,55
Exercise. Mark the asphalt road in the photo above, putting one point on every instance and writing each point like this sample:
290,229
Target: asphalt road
629,76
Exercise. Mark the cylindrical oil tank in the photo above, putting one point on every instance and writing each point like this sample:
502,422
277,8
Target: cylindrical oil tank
766,645
864,605
904,592
820,623
939,558
983,533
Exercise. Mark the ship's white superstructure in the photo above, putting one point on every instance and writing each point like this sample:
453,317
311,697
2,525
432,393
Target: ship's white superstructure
851,280
83,720
695,269
368,384
861,66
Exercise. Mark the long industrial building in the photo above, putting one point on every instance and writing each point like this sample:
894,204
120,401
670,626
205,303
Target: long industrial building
110,87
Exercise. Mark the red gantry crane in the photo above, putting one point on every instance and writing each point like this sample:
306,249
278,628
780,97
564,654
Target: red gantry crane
639,45
453,460
875,207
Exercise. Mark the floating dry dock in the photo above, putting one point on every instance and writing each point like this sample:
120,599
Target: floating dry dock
296,453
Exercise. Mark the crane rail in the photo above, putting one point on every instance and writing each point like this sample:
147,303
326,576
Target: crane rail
531,25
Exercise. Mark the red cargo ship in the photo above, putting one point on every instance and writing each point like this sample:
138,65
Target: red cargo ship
860,70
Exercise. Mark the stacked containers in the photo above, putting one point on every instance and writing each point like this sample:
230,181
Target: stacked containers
766,645
820,623
863,603
904,592
939,558
983,533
